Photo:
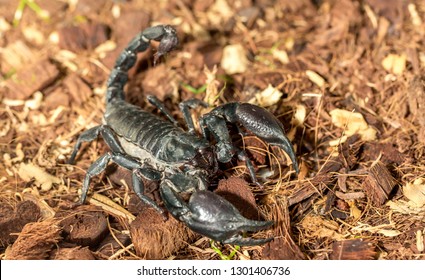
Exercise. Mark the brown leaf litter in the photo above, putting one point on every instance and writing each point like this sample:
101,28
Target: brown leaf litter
343,77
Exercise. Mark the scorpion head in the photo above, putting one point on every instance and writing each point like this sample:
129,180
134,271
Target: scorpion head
205,159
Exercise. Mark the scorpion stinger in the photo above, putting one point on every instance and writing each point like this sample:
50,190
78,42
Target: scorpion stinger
211,215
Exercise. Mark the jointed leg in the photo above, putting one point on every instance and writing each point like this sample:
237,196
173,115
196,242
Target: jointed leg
244,157
158,104
218,128
91,134
125,161
190,104
139,189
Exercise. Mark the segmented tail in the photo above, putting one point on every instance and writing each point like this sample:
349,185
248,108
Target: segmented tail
165,34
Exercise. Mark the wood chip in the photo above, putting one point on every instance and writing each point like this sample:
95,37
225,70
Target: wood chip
82,37
416,98
29,171
154,238
327,175
15,56
378,184
77,88
281,249
355,249
109,246
268,97
76,253
237,191
85,225
25,83
35,241
12,221
318,227
349,196
58,97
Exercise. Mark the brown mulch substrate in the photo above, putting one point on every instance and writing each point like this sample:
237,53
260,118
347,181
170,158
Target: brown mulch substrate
345,77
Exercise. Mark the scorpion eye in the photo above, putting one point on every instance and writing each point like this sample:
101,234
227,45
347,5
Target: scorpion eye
228,227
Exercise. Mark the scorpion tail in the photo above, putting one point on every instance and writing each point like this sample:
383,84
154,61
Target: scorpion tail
165,34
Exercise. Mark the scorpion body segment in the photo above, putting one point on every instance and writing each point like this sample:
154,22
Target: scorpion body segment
180,160
164,141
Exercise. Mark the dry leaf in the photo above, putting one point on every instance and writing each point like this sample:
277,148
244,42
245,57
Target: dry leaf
268,97
105,47
382,229
234,59
33,35
315,78
353,123
416,19
110,206
404,207
316,226
4,25
35,102
281,55
299,115
211,92
219,12
415,192
389,232
394,63
354,211
28,171
420,241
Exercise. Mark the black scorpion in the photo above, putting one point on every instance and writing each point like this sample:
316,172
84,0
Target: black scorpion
182,161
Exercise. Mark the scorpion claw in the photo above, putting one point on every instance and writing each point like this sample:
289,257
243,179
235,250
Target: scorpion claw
211,215
265,125
247,241
256,119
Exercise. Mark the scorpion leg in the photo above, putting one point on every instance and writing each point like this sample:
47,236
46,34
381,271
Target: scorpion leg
139,189
158,104
211,215
218,128
127,162
244,157
91,134
254,118
192,103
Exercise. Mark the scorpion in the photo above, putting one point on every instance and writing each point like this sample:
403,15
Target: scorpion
182,161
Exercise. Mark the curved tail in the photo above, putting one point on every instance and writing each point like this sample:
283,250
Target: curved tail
165,34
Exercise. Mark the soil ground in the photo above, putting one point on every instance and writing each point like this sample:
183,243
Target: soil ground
345,78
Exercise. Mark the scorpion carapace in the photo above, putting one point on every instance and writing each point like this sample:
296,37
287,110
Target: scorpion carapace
182,161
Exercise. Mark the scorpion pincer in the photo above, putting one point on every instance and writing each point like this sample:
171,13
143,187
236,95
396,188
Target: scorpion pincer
182,161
